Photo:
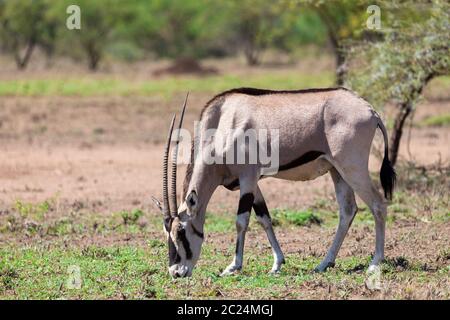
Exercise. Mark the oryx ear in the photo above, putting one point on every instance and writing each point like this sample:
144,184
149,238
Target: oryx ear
192,203
157,203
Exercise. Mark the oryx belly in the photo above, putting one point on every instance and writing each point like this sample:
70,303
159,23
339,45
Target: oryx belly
307,171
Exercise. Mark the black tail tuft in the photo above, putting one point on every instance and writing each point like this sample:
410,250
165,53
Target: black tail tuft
387,176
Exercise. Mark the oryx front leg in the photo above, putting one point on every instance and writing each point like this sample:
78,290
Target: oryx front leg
347,210
247,196
263,216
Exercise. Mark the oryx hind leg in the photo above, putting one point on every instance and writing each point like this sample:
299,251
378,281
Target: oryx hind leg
356,174
263,217
347,210
248,186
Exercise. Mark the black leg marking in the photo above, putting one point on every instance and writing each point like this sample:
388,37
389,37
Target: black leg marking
237,246
245,203
261,209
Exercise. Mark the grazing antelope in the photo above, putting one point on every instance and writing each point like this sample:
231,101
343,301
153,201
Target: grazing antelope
320,130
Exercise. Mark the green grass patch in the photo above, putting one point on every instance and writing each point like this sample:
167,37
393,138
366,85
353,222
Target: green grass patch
126,272
219,222
164,87
436,121
292,217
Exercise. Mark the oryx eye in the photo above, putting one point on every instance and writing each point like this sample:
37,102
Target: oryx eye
191,200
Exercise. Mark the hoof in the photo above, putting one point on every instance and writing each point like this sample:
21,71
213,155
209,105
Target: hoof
230,271
373,268
324,266
274,272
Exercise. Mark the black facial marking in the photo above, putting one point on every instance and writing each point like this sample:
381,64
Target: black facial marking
305,158
198,233
174,258
261,209
182,236
245,203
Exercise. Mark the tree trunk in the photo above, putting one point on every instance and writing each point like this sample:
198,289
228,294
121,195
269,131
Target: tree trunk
22,62
405,111
406,108
341,67
93,62
339,53
93,56
251,55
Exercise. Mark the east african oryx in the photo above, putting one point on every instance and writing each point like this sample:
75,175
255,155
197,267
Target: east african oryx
320,130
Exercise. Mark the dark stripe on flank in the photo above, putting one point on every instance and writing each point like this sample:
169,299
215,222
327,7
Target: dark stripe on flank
185,242
245,203
233,185
305,158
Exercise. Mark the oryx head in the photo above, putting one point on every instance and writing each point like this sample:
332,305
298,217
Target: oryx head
184,239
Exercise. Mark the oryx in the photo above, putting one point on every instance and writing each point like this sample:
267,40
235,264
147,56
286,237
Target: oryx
320,130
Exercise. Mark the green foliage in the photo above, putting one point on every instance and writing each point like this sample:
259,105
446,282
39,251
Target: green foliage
437,121
130,30
174,28
23,25
414,50
98,26
345,19
253,26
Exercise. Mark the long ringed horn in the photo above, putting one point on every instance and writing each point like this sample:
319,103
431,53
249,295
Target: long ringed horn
166,206
173,194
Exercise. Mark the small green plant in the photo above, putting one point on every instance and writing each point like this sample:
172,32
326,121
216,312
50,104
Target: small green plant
298,218
61,227
155,243
33,211
131,218
8,278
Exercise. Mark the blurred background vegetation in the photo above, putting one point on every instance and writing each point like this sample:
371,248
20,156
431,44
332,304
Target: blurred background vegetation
390,64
